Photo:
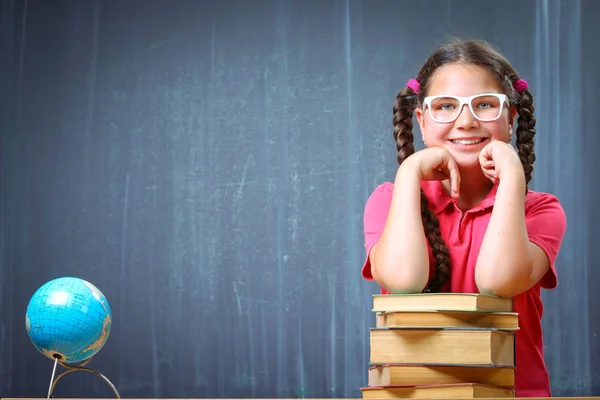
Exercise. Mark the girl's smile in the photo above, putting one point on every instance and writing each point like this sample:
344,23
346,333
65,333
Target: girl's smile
470,143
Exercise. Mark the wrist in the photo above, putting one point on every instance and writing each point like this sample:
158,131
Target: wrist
513,174
513,180
407,186
408,171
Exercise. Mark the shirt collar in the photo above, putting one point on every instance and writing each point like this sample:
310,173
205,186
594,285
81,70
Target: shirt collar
439,199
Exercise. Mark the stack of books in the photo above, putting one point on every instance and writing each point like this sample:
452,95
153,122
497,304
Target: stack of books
442,345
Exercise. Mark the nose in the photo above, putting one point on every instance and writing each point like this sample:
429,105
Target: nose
466,119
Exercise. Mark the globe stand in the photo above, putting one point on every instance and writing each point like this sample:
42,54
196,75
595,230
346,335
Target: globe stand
70,368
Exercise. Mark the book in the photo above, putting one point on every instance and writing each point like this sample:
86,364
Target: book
444,319
414,374
451,391
442,345
462,346
441,302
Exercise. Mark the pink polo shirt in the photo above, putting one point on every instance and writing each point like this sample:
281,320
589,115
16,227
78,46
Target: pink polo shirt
546,224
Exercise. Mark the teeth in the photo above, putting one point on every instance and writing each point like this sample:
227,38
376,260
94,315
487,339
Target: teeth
467,142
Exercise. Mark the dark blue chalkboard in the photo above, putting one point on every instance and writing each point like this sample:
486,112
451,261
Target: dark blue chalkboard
206,165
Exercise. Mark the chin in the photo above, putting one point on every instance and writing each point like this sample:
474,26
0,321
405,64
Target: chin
466,161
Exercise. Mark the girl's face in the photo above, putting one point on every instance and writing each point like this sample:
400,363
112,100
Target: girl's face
465,136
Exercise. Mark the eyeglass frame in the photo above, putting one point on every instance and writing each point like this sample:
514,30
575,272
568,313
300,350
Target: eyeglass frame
466,100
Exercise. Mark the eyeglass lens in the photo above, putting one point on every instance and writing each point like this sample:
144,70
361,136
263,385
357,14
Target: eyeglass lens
484,107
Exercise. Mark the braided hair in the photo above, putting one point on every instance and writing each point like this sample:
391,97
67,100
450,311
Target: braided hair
481,54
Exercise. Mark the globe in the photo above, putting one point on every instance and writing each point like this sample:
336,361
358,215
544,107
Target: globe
68,318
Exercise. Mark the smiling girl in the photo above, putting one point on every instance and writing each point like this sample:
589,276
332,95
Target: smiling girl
459,216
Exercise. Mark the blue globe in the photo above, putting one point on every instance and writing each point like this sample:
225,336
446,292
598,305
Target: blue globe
68,318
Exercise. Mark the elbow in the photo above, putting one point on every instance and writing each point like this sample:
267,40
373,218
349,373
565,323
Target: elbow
400,283
495,289
506,284
407,276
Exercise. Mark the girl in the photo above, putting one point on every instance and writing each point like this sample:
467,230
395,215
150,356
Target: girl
459,216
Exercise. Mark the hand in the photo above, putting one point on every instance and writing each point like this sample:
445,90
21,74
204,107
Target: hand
435,164
497,158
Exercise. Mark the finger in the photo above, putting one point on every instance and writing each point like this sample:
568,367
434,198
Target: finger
441,174
490,174
488,170
454,177
485,155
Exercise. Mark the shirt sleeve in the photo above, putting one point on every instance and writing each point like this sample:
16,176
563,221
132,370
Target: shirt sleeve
546,225
375,216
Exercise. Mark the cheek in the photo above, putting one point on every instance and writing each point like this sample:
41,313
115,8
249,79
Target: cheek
500,131
434,134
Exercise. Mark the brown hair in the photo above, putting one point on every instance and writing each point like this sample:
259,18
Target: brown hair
473,52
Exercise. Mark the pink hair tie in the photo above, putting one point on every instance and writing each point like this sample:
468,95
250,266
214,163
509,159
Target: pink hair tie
413,84
520,85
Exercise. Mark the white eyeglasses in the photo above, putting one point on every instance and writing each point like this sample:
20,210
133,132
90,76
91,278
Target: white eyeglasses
485,107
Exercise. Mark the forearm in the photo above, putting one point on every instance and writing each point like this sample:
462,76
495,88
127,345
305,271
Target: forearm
504,265
399,261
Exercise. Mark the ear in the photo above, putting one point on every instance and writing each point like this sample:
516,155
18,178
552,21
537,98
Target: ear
511,115
421,120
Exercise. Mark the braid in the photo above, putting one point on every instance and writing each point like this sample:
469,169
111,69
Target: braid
526,132
440,251
406,102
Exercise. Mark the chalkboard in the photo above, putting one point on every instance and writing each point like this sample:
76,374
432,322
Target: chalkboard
206,165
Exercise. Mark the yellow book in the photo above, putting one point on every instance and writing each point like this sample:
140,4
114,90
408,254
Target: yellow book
442,346
441,302
454,391
446,319
414,374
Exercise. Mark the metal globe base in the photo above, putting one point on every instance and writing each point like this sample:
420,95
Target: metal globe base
71,368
